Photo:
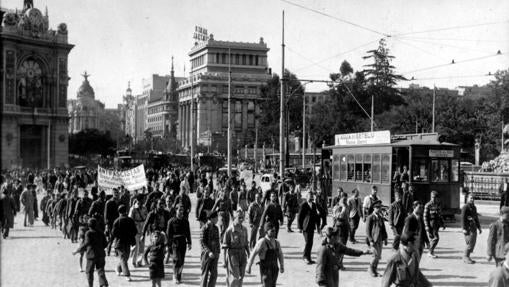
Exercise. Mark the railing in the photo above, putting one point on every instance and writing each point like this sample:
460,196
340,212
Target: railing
484,185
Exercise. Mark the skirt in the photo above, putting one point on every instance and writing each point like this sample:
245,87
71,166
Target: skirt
156,269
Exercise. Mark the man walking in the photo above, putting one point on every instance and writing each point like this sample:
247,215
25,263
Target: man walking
8,207
355,214
110,215
368,202
124,236
397,216
376,234
470,223
414,225
94,245
27,200
138,213
255,215
308,221
210,249
433,221
291,207
179,235
237,250
272,214
500,277
499,237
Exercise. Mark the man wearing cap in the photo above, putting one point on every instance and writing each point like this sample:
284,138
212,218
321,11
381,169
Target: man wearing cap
470,222
110,215
500,277
499,237
123,234
376,234
328,260
355,213
273,214
27,199
179,235
236,249
94,245
138,213
414,225
205,205
73,224
291,207
433,221
269,251
254,214
184,200
8,207
97,210
210,249
403,267
407,198
397,216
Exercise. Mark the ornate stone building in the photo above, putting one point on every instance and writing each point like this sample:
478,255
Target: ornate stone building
85,112
33,85
129,113
208,86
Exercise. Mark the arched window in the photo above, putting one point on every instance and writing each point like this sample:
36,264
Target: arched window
30,84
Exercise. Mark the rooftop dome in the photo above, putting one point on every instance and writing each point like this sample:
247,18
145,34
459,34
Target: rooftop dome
85,90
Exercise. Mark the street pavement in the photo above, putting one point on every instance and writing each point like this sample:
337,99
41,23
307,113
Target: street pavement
39,256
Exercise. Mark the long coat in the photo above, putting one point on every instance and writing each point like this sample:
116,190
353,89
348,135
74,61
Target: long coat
8,206
27,199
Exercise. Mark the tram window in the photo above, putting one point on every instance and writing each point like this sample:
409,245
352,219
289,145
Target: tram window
344,167
440,169
420,170
351,166
386,168
367,168
455,170
375,170
358,167
335,167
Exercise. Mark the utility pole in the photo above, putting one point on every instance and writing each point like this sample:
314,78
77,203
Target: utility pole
191,138
303,132
433,118
282,101
229,152
372,112
255,157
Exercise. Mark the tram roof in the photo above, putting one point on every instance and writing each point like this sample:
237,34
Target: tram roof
400,143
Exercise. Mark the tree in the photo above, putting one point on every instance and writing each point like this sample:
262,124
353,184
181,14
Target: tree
270,106
91,141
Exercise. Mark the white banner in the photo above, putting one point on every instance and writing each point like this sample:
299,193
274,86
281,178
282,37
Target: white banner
131,179
378,137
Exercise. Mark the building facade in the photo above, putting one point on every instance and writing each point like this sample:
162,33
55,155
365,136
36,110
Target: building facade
33,84
208,87
85,112
129,113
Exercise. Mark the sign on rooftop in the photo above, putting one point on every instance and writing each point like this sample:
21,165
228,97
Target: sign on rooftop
200,34
378,137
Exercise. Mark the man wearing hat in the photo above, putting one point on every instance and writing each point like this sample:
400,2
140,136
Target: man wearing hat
27,200
8,209
210,249
329,254
269,250
94,245
179,235
470,222
499,237
433,221
123,234
376,234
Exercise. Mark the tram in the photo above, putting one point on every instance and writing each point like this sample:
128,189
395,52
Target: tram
361,160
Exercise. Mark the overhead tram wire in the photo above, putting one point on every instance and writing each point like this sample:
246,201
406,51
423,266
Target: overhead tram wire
418,48
450,28
451,77
428,42
453,39
337,18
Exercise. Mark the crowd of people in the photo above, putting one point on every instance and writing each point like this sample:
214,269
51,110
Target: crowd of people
158,214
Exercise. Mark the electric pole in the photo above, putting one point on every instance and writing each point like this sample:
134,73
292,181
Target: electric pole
282,101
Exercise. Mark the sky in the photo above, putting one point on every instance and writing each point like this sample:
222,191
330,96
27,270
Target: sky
117,41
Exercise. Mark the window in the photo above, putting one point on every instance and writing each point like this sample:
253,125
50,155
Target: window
420,170
358,167
350,159
336,166
455,170
343,167
250,120
217,58
386,168
251,60
225,115
375,169
243,59
256,61
440,170
237,59
366,168
223,58
238,114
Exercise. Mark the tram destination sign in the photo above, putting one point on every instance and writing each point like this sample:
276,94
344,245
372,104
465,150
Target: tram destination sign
367,138
441,153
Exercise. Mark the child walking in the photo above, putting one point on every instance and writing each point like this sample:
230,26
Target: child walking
154,257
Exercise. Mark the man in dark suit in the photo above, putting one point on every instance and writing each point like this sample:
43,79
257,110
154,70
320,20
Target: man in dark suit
504,193
408,197
397,216
124,235
110,215
273,214
414,225
376,233
94,245
307,221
